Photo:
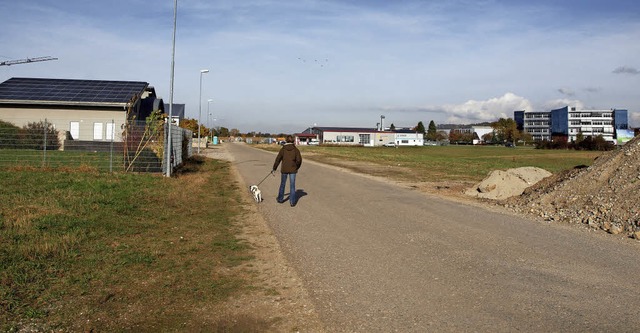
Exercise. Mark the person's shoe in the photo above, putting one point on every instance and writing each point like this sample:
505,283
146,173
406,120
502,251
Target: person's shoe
292,204
279,201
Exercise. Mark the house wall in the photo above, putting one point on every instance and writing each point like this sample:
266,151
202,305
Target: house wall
92,125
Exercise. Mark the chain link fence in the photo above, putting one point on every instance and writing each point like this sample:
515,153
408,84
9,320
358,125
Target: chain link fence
133,146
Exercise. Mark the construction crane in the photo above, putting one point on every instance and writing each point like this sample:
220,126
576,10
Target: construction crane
26,61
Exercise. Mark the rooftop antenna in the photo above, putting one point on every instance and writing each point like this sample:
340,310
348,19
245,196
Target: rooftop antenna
26,61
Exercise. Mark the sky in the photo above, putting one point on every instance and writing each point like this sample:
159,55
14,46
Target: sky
283,66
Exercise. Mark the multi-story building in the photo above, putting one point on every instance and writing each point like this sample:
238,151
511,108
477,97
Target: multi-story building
571,122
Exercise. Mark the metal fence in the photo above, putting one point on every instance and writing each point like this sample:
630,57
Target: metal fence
134,146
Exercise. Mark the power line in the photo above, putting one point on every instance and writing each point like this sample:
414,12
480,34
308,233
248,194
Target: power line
26,61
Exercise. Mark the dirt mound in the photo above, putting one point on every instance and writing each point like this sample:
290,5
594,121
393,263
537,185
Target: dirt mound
501,185
602,196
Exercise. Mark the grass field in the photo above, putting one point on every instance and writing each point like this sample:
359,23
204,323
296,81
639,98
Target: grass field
10,158
436,163
82,250
88,251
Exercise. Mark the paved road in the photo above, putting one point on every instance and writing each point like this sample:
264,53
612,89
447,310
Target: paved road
376,257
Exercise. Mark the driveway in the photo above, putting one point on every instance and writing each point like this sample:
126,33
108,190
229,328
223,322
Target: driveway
378,257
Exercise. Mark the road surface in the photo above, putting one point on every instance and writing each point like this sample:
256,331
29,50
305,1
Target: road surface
378,257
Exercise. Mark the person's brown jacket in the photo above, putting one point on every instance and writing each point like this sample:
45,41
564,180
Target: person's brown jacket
290,157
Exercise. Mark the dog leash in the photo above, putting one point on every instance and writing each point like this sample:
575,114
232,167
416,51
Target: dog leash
265,177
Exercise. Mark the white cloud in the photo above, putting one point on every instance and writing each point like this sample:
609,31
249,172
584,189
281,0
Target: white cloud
489,110
562,102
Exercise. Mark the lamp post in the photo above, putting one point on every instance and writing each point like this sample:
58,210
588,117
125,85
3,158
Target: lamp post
208,114
202,71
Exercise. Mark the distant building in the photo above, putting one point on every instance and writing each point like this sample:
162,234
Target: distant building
478,131
177,113
354,136
570,122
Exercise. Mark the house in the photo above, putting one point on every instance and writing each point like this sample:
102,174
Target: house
81,110
177,113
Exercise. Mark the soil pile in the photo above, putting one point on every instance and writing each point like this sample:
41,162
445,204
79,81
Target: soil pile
501,185
602,196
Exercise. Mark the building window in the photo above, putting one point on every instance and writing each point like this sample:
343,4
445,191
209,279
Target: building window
110,131
97,131
365,138
344,138
74,130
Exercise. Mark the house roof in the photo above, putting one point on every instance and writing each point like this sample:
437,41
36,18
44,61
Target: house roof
346,129
176,112
352,129
43,91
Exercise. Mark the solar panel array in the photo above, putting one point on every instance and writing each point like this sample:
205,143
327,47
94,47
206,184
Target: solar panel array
65,90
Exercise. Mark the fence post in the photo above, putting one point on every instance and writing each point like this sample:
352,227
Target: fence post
44,151
113,132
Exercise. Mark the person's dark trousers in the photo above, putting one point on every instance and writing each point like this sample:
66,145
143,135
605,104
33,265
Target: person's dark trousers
292,187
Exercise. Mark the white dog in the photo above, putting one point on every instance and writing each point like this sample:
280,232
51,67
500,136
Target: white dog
257,194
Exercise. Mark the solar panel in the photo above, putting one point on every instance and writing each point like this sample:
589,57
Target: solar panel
67,90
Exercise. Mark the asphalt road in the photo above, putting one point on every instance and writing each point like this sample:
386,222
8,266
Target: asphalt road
378,257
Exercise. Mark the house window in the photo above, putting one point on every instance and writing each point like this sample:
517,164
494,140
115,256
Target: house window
74,129
110,131
97,131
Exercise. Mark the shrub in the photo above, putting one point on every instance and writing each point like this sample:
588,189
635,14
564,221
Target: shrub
8,135
33,136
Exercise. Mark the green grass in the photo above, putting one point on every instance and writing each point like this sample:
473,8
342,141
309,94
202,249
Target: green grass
84,251
457,163
56,158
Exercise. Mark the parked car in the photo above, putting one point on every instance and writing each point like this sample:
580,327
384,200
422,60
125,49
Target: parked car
390,144
314,143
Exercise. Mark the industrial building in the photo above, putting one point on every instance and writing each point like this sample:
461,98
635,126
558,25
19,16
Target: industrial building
353,136
570,122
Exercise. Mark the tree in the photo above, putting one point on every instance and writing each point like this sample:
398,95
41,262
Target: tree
506,130
190,124
223,132
420,128
432,132
392,127
460,137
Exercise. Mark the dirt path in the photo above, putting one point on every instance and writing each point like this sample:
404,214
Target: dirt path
372,256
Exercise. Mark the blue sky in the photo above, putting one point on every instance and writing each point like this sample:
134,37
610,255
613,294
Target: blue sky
282,66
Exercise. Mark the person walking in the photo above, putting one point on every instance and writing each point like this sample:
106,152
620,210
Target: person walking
291,160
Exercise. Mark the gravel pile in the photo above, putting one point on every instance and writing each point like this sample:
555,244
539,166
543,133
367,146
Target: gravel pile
603,196
499,185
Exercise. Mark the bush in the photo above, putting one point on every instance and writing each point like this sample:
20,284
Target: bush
33,136
8,135
590,143
587,144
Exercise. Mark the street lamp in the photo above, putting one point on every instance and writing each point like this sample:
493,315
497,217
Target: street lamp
208,114
202,71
